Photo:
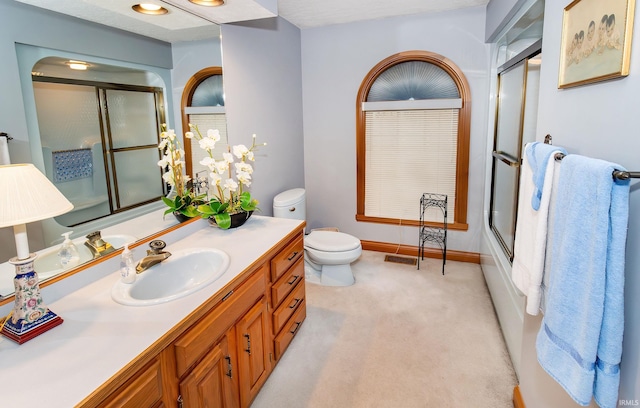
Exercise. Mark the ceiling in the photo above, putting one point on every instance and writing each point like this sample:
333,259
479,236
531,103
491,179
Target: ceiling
186,21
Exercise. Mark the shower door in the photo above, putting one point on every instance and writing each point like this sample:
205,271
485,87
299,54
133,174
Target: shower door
515,126
99,144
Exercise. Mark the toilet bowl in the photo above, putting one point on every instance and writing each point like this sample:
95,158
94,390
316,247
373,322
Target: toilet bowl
328,254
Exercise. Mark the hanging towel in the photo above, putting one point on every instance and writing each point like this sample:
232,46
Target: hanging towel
580,339
538,155
531,232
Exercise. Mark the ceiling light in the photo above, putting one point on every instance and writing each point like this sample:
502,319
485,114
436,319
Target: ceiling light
78,65
208,3
150,8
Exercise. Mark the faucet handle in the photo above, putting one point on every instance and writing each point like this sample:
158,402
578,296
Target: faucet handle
157,245
93,236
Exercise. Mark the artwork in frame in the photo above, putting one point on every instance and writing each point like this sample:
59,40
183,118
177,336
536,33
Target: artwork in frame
596,41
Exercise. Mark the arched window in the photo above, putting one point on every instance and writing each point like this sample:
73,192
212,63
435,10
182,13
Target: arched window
412,128
203,105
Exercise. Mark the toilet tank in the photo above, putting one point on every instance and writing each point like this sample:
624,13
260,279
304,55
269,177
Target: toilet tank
290,204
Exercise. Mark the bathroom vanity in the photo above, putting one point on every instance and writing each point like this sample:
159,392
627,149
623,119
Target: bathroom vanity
214,347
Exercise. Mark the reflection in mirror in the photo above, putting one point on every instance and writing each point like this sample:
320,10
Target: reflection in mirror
99,136
165,63
203,106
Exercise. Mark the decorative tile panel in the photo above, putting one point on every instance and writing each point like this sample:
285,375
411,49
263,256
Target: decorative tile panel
72,164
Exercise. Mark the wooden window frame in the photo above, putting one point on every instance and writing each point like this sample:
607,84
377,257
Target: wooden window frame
464,126
187,98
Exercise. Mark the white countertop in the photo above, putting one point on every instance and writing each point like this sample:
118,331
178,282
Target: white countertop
99,336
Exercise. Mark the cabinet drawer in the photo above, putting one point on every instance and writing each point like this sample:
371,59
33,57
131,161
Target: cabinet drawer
285,258
143,391
197,340
287,282
283,339
291,304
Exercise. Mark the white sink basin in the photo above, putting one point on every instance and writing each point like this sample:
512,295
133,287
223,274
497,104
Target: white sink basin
47,264
183,273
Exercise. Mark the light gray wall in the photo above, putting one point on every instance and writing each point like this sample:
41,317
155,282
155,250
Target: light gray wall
499,12
335,60
598,120
189,58
263,95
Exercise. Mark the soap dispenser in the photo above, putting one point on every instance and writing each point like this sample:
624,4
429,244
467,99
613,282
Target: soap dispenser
127,266
68,253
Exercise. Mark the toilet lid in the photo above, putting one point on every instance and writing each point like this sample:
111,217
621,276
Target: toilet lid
331,241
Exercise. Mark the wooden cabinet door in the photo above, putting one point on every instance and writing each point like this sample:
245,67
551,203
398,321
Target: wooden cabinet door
252,334
213,382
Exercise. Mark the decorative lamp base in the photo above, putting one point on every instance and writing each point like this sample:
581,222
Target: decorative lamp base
30,316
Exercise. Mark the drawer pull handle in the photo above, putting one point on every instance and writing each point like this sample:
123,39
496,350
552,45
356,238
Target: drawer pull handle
228,373
295,278
297,300
293,255
296,328
227,295
248,349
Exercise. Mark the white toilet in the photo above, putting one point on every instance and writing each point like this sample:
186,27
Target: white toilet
328,254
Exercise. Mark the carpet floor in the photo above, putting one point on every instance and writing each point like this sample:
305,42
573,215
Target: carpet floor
399,337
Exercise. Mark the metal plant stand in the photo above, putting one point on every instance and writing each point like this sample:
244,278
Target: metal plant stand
434,235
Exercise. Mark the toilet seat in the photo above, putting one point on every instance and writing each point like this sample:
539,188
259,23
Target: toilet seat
331,241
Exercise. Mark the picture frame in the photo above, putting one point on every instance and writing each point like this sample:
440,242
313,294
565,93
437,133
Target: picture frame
596,41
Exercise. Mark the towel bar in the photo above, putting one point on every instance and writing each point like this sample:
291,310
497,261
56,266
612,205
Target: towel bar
617,174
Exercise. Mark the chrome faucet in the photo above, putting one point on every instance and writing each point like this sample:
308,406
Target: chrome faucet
97,245
155,255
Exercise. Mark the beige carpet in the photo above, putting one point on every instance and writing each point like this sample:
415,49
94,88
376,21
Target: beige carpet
399,337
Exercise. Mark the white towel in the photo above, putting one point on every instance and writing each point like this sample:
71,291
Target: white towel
531,235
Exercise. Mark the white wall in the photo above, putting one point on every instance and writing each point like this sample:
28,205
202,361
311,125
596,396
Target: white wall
335,60
263,95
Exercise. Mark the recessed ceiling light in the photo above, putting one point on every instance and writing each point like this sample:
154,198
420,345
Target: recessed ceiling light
208,3
150,8
78,65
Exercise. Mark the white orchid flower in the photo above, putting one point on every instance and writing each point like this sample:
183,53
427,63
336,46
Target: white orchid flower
250,156
222,167
243,167
188,135
207,143
213,134
240,150
244,178
230,185
163,162
215,179
228,157
208,162
168,178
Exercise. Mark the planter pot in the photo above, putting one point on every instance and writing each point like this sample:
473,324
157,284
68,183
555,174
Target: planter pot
237,219
180,217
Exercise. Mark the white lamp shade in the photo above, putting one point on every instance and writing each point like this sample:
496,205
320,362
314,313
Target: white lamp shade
27,195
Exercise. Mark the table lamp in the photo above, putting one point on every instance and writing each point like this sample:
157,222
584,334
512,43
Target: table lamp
27,195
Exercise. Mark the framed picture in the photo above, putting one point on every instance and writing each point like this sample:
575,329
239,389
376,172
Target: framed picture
596,41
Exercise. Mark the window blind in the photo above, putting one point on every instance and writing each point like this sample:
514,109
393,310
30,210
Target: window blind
408,153
204,123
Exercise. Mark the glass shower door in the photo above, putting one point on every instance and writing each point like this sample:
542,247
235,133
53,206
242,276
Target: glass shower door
132,123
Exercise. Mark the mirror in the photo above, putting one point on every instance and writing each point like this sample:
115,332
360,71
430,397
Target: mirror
43,42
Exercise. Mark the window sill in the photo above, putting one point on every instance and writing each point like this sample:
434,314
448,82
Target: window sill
411,223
